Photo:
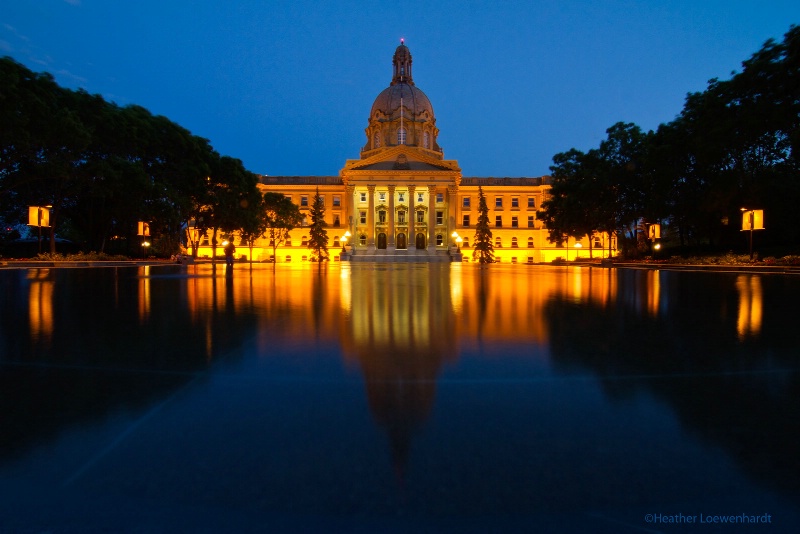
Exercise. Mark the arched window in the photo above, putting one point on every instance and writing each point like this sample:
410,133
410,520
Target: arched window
376,140
465,243
439,239
514,242
498,243
401,136
362,239
530,242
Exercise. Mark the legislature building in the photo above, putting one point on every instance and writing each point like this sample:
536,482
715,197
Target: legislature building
403,201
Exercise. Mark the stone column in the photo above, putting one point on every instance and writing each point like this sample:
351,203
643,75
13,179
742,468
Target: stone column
371,218
431,218
349,213
412,234
452,203
390,244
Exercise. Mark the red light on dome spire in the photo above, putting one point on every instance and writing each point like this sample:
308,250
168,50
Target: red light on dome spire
402,41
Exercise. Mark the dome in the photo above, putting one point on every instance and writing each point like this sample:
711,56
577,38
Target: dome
412,123
414,101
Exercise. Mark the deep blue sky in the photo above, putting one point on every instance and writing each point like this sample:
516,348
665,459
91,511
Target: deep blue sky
286,86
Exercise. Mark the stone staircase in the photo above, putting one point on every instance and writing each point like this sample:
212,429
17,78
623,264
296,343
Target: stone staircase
410,255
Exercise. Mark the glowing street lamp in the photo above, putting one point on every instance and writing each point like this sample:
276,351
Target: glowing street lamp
457,239
578,247
344,243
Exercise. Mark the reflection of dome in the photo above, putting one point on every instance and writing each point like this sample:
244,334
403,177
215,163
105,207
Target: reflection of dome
413,123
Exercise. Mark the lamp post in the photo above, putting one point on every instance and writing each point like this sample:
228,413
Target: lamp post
578,247
344,245
752,220
458,242
39,216
456,239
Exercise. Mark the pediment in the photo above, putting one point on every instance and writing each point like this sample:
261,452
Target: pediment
401,158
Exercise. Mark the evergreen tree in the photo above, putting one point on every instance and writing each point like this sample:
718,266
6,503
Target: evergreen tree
318,238
484,250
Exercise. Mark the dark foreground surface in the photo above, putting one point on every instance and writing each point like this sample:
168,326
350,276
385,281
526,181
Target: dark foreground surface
407,398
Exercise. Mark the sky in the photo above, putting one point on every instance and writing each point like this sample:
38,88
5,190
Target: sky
286,86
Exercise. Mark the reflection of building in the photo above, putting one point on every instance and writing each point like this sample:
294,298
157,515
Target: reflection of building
403,200
400,333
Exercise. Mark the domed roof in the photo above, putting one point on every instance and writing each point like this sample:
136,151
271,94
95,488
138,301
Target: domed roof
402,87
414,100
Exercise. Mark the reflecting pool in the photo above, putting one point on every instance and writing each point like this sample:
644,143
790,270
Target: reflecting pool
397,398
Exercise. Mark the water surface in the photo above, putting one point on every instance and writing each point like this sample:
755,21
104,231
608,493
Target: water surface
366,398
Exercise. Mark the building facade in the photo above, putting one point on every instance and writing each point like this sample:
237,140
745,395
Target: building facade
403,201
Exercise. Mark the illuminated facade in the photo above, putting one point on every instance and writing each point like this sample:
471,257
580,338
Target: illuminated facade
403,201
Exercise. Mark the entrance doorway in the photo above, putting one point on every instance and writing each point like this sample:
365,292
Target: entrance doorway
401,241
420,241
381,240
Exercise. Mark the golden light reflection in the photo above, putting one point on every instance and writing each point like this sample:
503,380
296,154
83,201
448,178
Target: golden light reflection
144,292
750,305
653,291
40,303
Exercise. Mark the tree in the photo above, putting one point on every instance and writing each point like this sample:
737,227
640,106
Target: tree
281,217
318,237
483,247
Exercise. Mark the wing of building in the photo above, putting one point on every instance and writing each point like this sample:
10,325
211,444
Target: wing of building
403,201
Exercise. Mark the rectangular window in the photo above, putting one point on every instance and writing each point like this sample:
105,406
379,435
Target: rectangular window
439,217
401,217
420,197
465,202
439,198
363,197
336,242
466,221
401,197
498,202
420,216
362,217
531,202
337,201
321,200
382,196
514,222
514,202
498,221
303,200
382,217
530,221
304,241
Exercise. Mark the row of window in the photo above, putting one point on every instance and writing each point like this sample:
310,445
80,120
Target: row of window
401,197
498,221
401,138
304,202
401,217
466,202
